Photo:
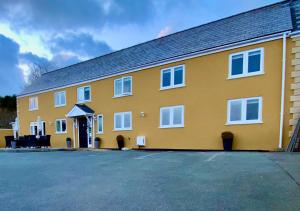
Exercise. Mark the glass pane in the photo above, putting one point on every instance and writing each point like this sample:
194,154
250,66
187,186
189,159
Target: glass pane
237,65
127,85
236,111
177,116
254,62
178,76
56,99
44,128
127,120
80,94
118,87
100,123
87,93
252,109
63,125
62,98
58,129
118,121
166,78
165,117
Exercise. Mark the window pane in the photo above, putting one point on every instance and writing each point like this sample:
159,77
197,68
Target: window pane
252,109
177,116
254,61
127,120
237,65
127,85
56,99
166,78
87,93
118,121
178,76
236,111
58,129
63,125
100,124
118,87
63,98
165,117
80,94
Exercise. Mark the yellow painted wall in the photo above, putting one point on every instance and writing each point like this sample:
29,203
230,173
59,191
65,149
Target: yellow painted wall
3,133
204,97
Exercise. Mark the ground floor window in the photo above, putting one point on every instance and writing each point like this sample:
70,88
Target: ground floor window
172,116
123,121
61,126
34,128
244,111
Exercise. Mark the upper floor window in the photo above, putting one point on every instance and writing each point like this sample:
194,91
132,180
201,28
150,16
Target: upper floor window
83,94
100,123
60,99
61,126
123,86
247,63
33,103
172,116
172,77
123,121
244,111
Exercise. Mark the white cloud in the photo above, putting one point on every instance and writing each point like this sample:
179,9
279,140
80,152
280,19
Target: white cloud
165,31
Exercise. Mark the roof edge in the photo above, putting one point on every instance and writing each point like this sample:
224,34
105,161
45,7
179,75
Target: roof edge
244,43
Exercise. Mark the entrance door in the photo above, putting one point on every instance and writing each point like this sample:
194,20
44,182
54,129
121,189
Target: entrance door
82,128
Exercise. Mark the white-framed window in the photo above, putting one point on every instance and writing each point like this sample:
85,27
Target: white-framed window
61,126
100,123
33,103
172,77
34,128
83,94
123,121
172,116
246,63
123,86
60,99
244,111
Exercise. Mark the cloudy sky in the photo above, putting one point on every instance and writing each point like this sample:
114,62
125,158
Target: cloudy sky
57,33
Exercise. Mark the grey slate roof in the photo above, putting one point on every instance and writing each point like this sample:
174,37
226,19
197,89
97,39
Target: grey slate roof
85,108
256,23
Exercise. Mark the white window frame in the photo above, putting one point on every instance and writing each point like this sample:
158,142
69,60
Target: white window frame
122,121
83,87
171,125
172,69
35,98
60,104
35,124
100,132
245,64
123,94
244,111
60,122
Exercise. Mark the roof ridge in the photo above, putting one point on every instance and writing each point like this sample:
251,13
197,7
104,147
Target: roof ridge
160,38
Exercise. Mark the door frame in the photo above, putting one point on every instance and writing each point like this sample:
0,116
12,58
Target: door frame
90,126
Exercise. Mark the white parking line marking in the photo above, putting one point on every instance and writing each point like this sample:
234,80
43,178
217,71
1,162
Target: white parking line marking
145,156
211,158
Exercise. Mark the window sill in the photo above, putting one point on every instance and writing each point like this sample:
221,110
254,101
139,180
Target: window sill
171,87
35,109
58,106
129,129
245,75
85,101
60,133
118,96
99,133
167,127
244,123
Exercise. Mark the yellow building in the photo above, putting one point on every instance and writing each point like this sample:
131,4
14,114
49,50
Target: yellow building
181,91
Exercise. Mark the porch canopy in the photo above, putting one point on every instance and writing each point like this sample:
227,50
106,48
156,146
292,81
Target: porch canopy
80,110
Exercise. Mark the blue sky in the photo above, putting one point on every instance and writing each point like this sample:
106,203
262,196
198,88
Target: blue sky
56,33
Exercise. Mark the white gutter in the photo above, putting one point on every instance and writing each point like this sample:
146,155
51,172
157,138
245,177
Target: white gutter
282,88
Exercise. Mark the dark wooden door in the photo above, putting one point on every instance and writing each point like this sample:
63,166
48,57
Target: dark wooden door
82,128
